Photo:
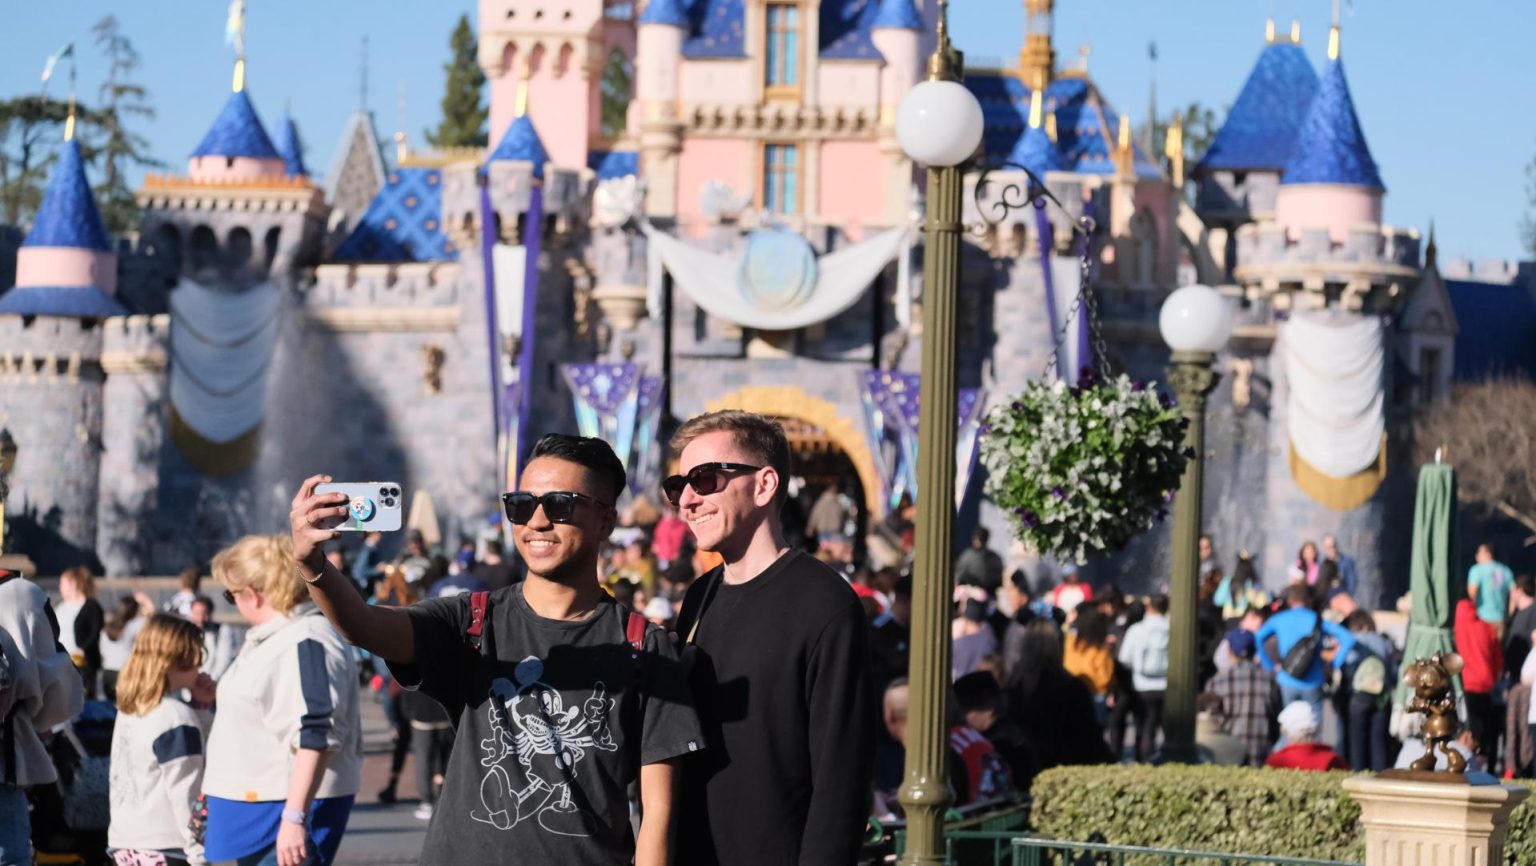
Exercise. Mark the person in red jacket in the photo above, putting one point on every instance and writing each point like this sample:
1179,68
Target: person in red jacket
1478,643
1298,722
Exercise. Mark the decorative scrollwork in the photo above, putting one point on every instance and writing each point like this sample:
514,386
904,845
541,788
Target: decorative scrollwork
1017,196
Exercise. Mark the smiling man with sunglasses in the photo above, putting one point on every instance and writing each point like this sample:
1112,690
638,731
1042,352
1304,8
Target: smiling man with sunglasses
561,697
778,646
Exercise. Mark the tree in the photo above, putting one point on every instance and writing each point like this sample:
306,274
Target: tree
1528,225
31,128
121,148
617,91
1487,435
1200,126
463,123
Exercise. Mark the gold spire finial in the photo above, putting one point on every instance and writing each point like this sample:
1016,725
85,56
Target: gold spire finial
1124,142
1083,52
1037,59
402,148
1269,30
1050,126
239,82
1296,30
1124,156
1036,108
1174,150
1333,42
234,34
946,62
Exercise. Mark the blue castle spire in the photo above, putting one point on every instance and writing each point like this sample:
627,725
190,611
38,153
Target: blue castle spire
522,143
68,216
237,131
290,148
897,15
1261,130
1331,147
672,12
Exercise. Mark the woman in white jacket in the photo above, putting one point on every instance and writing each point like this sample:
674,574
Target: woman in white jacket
157,747
285,754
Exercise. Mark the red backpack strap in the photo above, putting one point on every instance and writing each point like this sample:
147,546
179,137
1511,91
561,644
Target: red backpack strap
479,606
634,632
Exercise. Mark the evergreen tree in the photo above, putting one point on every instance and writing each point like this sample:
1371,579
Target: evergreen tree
31,130
463,122
121,148
617,91
1528,225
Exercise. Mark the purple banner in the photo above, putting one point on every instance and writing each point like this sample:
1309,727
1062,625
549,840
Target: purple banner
533,238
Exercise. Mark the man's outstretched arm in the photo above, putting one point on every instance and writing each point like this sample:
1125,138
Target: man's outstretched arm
384,631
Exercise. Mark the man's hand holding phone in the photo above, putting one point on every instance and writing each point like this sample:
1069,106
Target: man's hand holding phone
313,520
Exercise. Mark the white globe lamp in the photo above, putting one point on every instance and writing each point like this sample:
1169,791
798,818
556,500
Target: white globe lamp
1195,319
939,124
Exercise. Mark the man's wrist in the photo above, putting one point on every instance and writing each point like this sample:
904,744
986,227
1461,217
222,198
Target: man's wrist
294,816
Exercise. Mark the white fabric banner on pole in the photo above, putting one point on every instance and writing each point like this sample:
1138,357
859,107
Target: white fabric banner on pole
1335,409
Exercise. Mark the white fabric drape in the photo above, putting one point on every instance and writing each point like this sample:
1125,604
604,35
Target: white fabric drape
510,268
710,279
221,347
1333,368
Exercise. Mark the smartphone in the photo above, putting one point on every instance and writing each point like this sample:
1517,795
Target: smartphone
372,506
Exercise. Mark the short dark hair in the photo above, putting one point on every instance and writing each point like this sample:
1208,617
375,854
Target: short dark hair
203,600
982,535
593,455
495,546
902,587
1298,594
761,437
978,691
1526,584
1158,604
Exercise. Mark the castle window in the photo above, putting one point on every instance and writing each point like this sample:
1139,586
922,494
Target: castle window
781,65
781,178
1429,375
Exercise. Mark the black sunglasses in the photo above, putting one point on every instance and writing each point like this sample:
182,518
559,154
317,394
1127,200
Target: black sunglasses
230,596
559,505
705,478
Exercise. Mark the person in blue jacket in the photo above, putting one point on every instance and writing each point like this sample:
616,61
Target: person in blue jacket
1289,627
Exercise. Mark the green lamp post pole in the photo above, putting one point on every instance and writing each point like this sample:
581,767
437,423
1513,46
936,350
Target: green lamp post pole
939,125
1195,322
1192,378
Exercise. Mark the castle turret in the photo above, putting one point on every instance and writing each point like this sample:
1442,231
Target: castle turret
1239,174
1330,180
50,370
897,33
659,55
291,149
1035,150
237,147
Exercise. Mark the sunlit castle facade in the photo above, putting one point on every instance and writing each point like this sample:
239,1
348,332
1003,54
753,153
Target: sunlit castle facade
737,229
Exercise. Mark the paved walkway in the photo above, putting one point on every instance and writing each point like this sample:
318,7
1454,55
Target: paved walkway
378,834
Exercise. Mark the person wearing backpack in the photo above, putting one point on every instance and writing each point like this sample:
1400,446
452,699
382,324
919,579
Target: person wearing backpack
1370,672
39,689
1145,651
562,698
1299,633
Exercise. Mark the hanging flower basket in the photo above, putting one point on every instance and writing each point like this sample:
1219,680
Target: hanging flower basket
1083,470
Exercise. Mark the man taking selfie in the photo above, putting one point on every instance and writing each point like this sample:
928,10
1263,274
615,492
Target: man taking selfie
561,696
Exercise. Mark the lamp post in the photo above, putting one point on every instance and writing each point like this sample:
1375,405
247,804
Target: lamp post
1195,322
939,125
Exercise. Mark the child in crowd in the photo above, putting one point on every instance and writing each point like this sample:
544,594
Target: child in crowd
157,747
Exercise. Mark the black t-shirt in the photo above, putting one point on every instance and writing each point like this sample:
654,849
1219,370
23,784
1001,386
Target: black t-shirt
554,721
494,575
781,677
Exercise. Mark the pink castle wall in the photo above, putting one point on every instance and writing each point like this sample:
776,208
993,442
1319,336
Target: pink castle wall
702,160
66,267
848,83
1334,207
716,82
852,176
221,169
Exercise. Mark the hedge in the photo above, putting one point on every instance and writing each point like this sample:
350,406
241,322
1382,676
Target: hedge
1231,810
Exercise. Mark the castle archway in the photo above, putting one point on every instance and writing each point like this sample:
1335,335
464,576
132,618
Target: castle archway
815,426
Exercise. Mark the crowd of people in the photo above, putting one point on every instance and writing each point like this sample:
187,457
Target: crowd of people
738,655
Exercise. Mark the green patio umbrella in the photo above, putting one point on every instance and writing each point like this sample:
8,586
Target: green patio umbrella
1434,585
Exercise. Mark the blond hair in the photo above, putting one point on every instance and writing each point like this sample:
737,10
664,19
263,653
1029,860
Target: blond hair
760,438
263,563
81,577
166,644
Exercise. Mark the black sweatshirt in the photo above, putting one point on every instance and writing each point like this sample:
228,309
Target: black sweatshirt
781,681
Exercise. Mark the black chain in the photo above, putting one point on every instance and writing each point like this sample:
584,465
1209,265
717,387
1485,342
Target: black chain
1083,303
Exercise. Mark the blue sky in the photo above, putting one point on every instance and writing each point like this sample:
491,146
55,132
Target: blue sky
1442,93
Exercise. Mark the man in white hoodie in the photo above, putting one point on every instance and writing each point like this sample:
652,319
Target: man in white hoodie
39,688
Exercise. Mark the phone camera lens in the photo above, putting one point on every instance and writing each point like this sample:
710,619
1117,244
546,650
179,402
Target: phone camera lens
394,491
383,492
389,502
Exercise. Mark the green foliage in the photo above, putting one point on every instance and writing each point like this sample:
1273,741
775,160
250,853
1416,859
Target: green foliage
1083,470
463,121
1222,809
618,90
1200,127
1235,810
119,147
1528,224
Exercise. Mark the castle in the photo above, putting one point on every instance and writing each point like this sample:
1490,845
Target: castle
747,234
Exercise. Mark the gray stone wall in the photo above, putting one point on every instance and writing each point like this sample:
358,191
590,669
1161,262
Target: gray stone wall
135,412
